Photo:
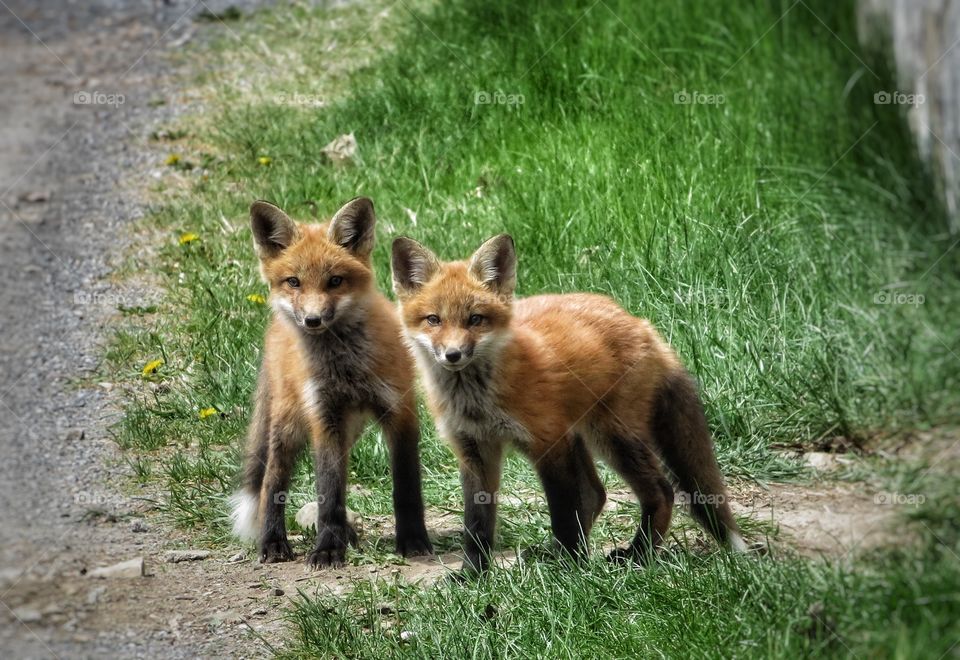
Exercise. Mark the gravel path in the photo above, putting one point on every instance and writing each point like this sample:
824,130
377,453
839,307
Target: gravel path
77,79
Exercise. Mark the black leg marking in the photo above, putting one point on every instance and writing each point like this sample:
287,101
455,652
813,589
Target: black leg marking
403,437
333,531
480,478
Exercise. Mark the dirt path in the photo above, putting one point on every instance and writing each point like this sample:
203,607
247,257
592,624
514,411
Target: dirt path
82,81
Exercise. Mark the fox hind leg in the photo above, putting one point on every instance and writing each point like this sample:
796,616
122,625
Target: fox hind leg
575,494
639,467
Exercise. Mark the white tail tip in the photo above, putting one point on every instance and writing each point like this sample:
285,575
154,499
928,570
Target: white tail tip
737,544
243,514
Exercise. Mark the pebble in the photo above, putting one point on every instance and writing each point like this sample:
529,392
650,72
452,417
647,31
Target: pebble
132,568
177,556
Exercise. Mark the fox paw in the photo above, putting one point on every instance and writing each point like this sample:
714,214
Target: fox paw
413,545
331,548
275,551
630,555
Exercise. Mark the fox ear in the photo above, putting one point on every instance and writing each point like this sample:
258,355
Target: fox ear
353,226
495,264
273,230
413,265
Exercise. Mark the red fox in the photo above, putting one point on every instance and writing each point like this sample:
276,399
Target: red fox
333,359
561,377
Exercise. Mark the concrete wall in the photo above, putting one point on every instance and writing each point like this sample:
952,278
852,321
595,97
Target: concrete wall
925,38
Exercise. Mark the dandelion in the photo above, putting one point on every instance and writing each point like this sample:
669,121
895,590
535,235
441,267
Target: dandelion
256,299
207,412
189,237
264,160
151,367
172,159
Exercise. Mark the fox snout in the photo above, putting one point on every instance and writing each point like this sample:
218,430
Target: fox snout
318,316
454,356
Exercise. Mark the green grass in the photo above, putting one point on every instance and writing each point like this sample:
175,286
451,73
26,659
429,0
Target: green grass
762,235
684,607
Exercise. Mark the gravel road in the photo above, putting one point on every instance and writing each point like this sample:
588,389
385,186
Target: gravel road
80,81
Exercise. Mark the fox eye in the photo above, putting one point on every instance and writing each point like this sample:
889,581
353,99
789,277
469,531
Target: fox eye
433,319
294,282
335,281
475,319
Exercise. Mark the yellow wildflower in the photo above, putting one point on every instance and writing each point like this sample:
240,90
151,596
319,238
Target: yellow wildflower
256,298
172,159
264,160
151,367
207,412
189,237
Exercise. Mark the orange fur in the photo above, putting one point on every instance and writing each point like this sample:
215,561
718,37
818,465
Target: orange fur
333,360
558,376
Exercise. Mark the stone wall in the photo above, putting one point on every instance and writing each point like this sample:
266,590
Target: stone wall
925,39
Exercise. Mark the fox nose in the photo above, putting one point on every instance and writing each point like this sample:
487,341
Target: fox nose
453,355
312,321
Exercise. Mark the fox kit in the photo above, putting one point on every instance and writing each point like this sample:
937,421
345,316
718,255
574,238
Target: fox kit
333,359
561,377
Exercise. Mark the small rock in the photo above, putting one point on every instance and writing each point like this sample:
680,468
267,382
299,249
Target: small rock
132,568
137,526
10,574
407,635
307,517
276,591
39,196
27,614
237,558
93,597
821,460
341,150
177,556
260,611
75,435
220,617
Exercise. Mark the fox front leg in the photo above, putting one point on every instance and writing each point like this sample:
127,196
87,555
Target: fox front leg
334,533
480,466
403,437
281,452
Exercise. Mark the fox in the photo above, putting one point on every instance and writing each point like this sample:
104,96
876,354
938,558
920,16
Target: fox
563,378
333,360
